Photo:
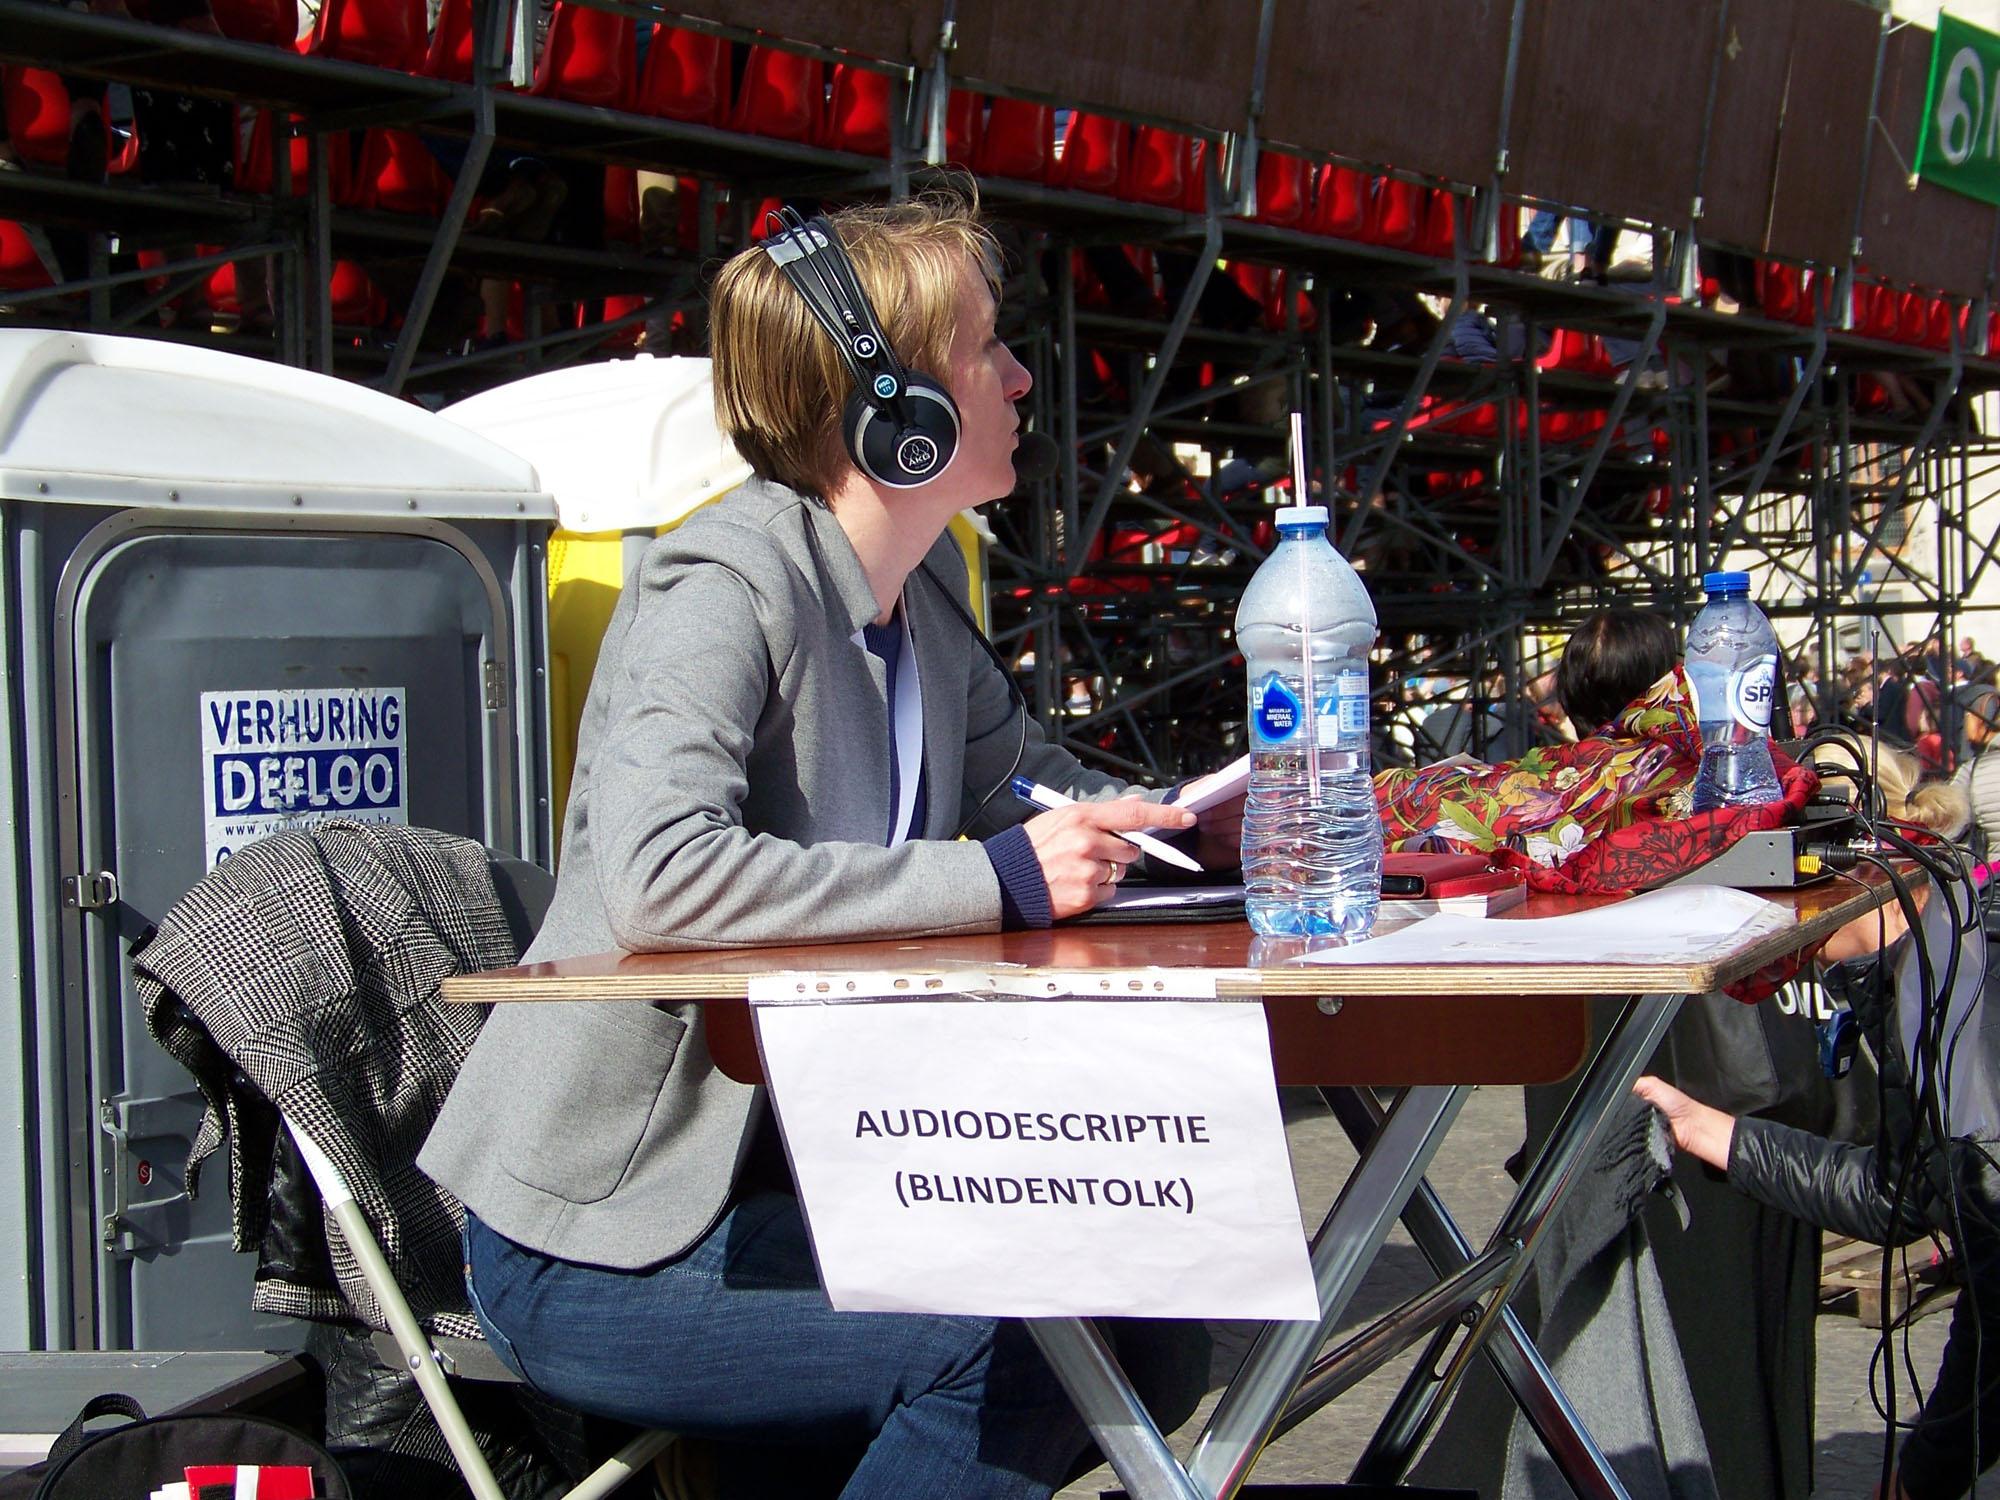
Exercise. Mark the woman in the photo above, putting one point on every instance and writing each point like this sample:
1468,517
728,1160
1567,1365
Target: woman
1622,690
788,725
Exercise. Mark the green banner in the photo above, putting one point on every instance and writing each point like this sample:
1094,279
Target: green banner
1959,144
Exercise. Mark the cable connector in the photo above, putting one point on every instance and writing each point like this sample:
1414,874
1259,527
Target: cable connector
1828,856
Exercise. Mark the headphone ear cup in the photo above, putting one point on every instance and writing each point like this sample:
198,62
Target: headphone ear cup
914,454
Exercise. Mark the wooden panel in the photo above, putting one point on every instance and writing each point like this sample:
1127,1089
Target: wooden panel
1391,1041
1826,119
1185,61
904,31
1414,84
1608,104
1931,236
1756,60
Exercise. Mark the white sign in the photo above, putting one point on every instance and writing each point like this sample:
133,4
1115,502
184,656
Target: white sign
1041,1158
293,757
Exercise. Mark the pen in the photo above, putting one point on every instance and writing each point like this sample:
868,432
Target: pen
1037,795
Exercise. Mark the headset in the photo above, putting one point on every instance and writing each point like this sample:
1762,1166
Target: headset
900,426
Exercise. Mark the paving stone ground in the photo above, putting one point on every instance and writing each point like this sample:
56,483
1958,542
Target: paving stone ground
1469,1177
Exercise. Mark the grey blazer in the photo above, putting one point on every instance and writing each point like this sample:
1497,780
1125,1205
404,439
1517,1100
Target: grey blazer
732,787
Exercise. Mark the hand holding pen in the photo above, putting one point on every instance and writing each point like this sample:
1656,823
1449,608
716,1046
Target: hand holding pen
1085,848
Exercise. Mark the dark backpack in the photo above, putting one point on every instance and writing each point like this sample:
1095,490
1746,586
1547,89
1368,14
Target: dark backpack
130,1462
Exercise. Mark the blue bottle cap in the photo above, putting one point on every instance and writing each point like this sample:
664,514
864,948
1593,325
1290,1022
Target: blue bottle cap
1725,583
1301,515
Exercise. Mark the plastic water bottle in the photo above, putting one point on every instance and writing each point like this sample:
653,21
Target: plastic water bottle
1732,664
1312,842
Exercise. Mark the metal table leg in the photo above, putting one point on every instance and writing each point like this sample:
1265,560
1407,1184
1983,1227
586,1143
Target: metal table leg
1510,1351
1571,1147
1390,1168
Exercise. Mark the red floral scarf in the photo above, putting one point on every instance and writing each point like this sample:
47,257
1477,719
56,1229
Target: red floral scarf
1553,802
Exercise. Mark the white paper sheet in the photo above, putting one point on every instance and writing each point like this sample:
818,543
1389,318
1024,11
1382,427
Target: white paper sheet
1204,792
1036,1158
1682,924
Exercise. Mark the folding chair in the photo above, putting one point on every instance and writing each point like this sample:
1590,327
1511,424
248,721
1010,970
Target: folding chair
430,1360
524,890
317,1119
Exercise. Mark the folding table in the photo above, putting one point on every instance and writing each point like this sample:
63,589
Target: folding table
1429,1033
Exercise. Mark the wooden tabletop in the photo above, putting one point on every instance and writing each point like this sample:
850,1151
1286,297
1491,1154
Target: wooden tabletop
1223,948
1377,1024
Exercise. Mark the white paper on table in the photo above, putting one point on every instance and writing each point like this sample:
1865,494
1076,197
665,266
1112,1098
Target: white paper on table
1681,924
1202,793
1182,1207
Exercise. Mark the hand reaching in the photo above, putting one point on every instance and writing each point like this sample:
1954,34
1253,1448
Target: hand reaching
1700,1130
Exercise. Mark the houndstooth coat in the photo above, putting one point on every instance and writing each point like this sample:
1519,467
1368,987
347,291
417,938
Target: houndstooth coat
303,972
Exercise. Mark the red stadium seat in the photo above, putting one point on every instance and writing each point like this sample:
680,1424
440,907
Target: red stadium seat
783,95
1156,168
357,302
621,205
1019,141
382,33
1778,291
1438,235
1399,214
21,269
1342,207
1196,201
1093,154
964,116
399,176
1284,189
37,114
272,23
591,57
613,308
686,77
450,54
1577,352
219,289
255,172
857,114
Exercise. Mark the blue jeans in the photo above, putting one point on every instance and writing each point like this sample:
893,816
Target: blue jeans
736,1341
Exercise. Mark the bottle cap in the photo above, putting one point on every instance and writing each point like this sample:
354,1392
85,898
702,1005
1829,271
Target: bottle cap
1725,583
1301,515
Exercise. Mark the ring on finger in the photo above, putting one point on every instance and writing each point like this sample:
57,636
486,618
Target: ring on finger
1111,872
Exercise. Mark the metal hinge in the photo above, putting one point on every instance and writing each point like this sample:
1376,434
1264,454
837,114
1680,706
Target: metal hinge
496,686
92,892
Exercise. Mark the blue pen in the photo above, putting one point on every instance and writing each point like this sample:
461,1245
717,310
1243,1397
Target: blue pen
1036,795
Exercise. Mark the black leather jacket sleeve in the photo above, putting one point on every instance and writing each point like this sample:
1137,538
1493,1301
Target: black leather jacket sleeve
1836,1186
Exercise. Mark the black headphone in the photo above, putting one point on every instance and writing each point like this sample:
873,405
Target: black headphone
900,426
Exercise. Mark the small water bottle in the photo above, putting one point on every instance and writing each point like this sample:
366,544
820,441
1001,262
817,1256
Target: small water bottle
1312,842
1732,665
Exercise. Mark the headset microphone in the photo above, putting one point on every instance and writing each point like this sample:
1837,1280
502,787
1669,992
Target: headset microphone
1035,458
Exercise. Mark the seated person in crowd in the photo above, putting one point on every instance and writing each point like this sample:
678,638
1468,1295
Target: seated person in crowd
1621,685
1907,1184
755,765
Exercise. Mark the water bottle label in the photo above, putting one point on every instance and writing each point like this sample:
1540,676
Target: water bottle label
1750,689
1352,728
1276,711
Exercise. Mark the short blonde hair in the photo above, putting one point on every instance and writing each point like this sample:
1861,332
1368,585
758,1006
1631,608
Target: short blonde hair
1939,807
779,383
